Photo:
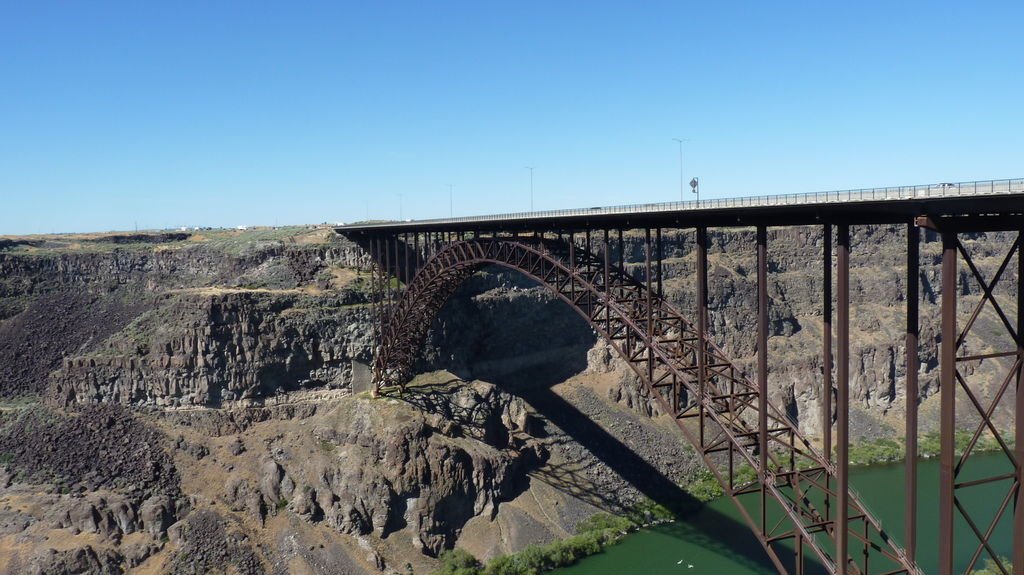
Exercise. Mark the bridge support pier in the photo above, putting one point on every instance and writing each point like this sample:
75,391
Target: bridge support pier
826,355
947,411
911,391
702,325
843,399
1018,515
1019,422
762,370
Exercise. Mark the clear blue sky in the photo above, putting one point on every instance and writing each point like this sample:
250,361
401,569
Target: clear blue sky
220,113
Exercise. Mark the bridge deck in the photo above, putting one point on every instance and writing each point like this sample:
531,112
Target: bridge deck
865,206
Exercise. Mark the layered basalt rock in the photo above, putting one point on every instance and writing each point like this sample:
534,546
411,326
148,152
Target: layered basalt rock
220,349
423,466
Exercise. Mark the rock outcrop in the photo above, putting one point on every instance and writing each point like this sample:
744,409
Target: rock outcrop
224,348
386,466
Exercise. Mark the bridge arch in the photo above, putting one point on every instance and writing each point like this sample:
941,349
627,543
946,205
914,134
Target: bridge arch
718,409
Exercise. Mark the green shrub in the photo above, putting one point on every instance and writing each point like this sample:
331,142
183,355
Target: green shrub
990,567
877,451
647,511
705,487
604,521
458,562
504,565
593,535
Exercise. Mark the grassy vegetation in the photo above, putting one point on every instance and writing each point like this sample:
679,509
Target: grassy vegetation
891,450
990,567
593,535
231,241
705,487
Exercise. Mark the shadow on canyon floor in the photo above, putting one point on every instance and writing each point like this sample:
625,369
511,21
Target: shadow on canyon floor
720,532
726,534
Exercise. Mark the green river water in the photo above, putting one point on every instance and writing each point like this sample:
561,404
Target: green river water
716,541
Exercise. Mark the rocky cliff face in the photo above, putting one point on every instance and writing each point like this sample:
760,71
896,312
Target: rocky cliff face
242,359
384,467
223,347
211,326
100,476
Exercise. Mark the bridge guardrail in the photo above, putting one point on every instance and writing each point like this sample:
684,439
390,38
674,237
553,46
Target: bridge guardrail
941,190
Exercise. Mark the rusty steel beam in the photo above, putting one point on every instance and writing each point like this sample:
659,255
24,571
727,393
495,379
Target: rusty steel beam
406,272
843,398
622,251
913,366
947,423
826,354
648,309
702,322
661,255
762,369
1018,514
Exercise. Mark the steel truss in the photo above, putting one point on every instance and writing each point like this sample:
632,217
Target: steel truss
791,495
955,372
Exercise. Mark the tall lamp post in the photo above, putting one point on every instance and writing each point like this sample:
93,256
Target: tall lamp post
531,186
681,178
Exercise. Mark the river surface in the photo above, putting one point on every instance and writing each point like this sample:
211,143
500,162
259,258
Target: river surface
716,541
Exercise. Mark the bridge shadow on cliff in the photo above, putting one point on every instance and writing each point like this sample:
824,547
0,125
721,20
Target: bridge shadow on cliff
719,532
722,533
528,349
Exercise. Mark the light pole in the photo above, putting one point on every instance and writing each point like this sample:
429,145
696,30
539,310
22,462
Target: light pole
681,188
531,186
401,216
451,201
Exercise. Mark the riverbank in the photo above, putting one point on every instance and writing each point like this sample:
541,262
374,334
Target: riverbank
711,541
649,533
593,535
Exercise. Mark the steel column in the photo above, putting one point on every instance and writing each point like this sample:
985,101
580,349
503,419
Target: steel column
572,263
387,272
702,320
947,405
649,314
826,357
762,369
408,270
913,365
416,248
1018,512
843,398
398,266
622,251
661,255
607,283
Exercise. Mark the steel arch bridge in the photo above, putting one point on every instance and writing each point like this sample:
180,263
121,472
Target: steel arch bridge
799,501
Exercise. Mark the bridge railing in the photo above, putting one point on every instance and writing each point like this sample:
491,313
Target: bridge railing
941,190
